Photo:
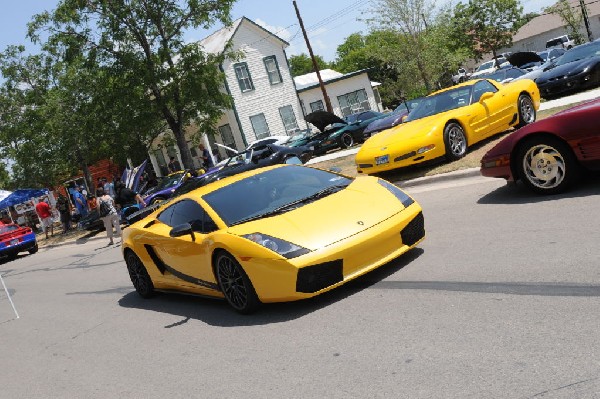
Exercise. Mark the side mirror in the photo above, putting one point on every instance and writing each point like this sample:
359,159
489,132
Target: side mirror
485,96
182,230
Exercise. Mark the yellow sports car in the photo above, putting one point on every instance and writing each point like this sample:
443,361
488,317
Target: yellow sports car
448,121
274,234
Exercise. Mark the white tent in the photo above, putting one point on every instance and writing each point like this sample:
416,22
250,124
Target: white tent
4,194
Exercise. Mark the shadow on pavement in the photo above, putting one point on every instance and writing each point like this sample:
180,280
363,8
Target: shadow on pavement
519,194
218,313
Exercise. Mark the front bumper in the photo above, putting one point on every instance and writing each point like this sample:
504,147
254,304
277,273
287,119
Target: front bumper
397,159
567,84
329,267
498,166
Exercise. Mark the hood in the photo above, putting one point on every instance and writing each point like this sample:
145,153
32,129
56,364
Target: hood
404,131
370,203
523,58
569,69
322,119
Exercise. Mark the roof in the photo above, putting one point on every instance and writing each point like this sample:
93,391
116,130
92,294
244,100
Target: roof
217,41
547,22
310,80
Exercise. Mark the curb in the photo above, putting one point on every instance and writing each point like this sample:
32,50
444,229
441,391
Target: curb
459,174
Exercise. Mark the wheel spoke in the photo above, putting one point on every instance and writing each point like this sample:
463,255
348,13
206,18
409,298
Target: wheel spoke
544,166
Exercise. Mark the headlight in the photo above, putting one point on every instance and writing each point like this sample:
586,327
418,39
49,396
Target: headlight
282,247
401,195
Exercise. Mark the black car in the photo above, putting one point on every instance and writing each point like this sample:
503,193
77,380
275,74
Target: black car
578,69
253,158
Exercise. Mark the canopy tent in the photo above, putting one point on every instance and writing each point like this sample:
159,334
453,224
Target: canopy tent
20,196
4,194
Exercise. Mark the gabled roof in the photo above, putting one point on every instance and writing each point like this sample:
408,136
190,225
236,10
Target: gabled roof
310,80
548,22
216,42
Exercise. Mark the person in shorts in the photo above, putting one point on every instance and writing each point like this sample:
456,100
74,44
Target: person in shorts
45,214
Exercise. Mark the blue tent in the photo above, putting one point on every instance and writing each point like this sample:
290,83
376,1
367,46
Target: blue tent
20,196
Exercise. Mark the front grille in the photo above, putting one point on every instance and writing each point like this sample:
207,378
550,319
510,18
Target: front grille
414,231
316,277
405,156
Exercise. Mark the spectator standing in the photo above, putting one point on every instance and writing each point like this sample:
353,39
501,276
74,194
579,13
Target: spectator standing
80,202
111,218
45,214
172,165
125,197
64,209
109,187
207,161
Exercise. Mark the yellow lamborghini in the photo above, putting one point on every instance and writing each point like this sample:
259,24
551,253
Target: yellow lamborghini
448,121
274,234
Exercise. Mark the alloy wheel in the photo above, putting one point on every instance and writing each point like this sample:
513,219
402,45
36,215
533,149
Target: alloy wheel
544,166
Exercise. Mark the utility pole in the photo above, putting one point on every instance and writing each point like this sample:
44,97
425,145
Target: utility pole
314,61
586,20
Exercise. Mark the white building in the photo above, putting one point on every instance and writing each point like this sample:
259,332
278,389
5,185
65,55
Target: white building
265,102
533,35
348,93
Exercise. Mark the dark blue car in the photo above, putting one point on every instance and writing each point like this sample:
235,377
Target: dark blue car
164,190
392,119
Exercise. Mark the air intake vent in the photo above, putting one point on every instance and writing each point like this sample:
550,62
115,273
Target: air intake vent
414,231
314,278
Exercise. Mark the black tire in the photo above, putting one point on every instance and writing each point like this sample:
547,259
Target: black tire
526,110
235,284
547,165
34,249
455,141
346,140
139,275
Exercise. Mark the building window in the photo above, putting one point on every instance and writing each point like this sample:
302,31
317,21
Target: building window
259,125
227,136
243,76
354,102
272,69
289,118
317,106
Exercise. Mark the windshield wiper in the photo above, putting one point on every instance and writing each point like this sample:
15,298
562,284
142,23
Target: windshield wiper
292,205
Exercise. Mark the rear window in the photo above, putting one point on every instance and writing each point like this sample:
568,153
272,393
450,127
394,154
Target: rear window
8,229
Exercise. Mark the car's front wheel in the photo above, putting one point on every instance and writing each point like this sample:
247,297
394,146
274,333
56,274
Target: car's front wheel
455,141
547,165
235,284
139,275
526,110
346,140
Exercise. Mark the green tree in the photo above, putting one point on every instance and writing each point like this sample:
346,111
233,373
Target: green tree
145,40
302,64
571,16
487,25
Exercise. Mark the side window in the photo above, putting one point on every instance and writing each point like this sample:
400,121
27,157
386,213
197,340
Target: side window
189,211
481,87
165,216
243,76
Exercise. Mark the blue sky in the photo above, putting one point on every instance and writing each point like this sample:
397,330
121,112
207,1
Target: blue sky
329,22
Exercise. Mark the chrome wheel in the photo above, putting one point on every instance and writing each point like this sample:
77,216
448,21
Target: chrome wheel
456,142
347,140
526,110
139,275
544,166
236,286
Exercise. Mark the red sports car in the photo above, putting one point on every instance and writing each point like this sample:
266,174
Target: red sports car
15,239
548,155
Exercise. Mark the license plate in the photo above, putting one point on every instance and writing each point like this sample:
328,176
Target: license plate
14,242
382,159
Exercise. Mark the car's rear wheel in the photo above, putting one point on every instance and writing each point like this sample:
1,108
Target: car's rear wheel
139,275
547,165
346,140
34,249
455,141
235,284
526,110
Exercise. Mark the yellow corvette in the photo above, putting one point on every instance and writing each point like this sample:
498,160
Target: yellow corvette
274,234
448,121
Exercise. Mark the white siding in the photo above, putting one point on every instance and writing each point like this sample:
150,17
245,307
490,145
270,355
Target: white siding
265,98
338,88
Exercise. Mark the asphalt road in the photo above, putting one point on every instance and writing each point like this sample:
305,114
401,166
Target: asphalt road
500,301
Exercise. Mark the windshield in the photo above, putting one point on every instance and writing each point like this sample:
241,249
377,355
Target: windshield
274,191
579,53
408,105
441,102
485,65
169,181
